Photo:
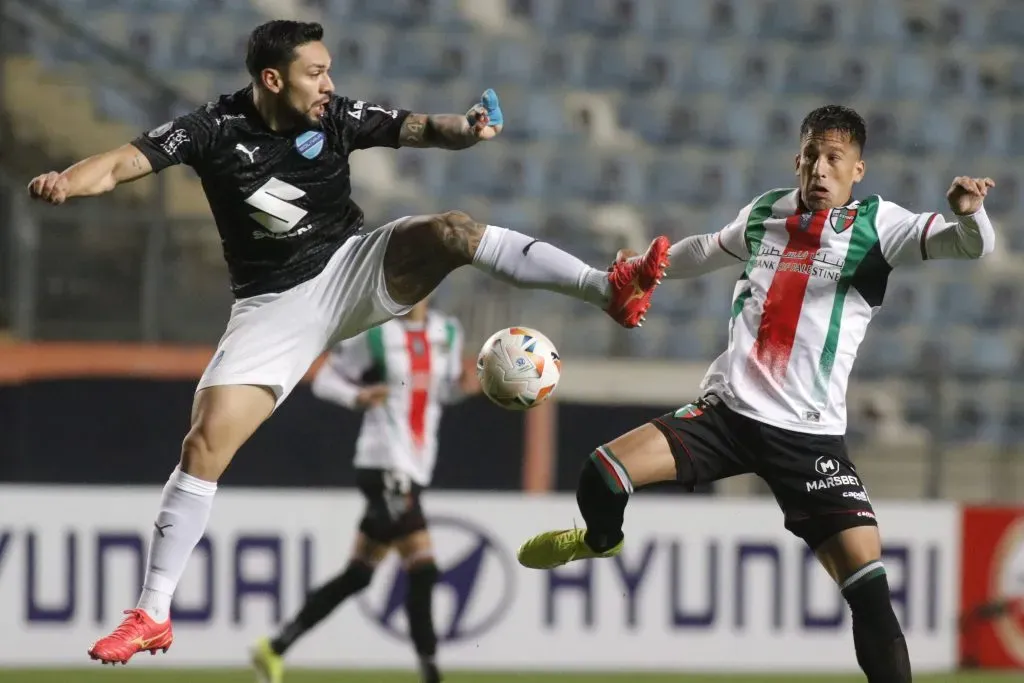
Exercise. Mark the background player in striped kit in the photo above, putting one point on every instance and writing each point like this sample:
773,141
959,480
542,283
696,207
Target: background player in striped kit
815,266
400,373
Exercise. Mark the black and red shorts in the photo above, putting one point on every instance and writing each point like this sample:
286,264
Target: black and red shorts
393,509
810,475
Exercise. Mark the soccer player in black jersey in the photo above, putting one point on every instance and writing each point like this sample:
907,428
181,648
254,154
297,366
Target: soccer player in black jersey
273,160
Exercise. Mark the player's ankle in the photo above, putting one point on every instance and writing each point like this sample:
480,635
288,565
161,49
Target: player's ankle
602,541
156,604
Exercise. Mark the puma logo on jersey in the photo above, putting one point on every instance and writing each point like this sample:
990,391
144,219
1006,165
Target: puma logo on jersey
252,155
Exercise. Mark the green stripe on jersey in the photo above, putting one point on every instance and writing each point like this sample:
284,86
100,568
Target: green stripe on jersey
754,232
375,338
449,329
752,235
741,299
863,241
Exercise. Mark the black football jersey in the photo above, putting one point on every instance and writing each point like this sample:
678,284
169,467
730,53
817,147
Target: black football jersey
281,200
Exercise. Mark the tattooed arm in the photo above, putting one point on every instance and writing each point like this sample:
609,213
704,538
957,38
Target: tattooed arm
441,131
92,176
454,131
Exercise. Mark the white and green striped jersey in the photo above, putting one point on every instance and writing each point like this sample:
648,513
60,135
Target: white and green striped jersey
811,284
421,364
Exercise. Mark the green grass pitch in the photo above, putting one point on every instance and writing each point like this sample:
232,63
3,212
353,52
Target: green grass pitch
128,675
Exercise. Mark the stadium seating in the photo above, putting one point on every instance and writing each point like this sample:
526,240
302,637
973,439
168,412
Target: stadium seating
679,111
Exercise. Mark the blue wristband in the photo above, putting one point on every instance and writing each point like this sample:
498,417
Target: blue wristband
489,101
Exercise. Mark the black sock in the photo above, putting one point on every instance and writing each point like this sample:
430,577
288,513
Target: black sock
877,636
322,602
419,610
602,495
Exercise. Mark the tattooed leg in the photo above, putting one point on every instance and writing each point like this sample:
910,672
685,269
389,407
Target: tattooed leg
422,252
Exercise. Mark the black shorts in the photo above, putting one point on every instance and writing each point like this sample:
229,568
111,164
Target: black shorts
393,508
810,475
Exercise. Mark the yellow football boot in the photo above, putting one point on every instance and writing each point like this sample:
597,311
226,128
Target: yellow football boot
268,664
554,548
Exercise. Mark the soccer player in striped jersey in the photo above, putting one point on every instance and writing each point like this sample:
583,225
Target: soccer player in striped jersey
815,262
401,373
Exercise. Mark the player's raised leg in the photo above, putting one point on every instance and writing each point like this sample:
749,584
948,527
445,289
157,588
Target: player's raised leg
423,250
854,559
640,457
695,444
223,418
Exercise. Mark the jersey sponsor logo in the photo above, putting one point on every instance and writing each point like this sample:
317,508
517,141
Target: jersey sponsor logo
310,144
820,264
160,130
841,219
276,212
247,152
856,495
826,466
833,482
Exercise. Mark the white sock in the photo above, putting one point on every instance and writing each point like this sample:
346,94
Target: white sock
184,512
531,264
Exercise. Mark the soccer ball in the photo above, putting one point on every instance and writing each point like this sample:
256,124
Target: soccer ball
518,368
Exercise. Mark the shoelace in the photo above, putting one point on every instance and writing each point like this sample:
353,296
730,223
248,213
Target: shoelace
129,626
624,275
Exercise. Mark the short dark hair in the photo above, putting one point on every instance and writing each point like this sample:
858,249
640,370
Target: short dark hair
836,117
272,45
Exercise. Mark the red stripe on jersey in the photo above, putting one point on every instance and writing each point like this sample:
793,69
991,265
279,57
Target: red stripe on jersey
419,368
785,298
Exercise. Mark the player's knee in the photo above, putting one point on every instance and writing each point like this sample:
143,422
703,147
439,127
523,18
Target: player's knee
867,593
422,576
457,234
456,220
359,574
200,454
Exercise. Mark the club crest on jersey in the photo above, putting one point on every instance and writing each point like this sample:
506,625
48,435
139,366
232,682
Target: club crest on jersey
310,144
842,219
690,410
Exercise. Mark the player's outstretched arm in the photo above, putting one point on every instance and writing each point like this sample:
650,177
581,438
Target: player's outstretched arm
454,131
333,381
92,176
692,256
700,254
972,236
331,385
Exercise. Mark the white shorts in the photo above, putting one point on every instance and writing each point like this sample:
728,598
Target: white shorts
272,339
